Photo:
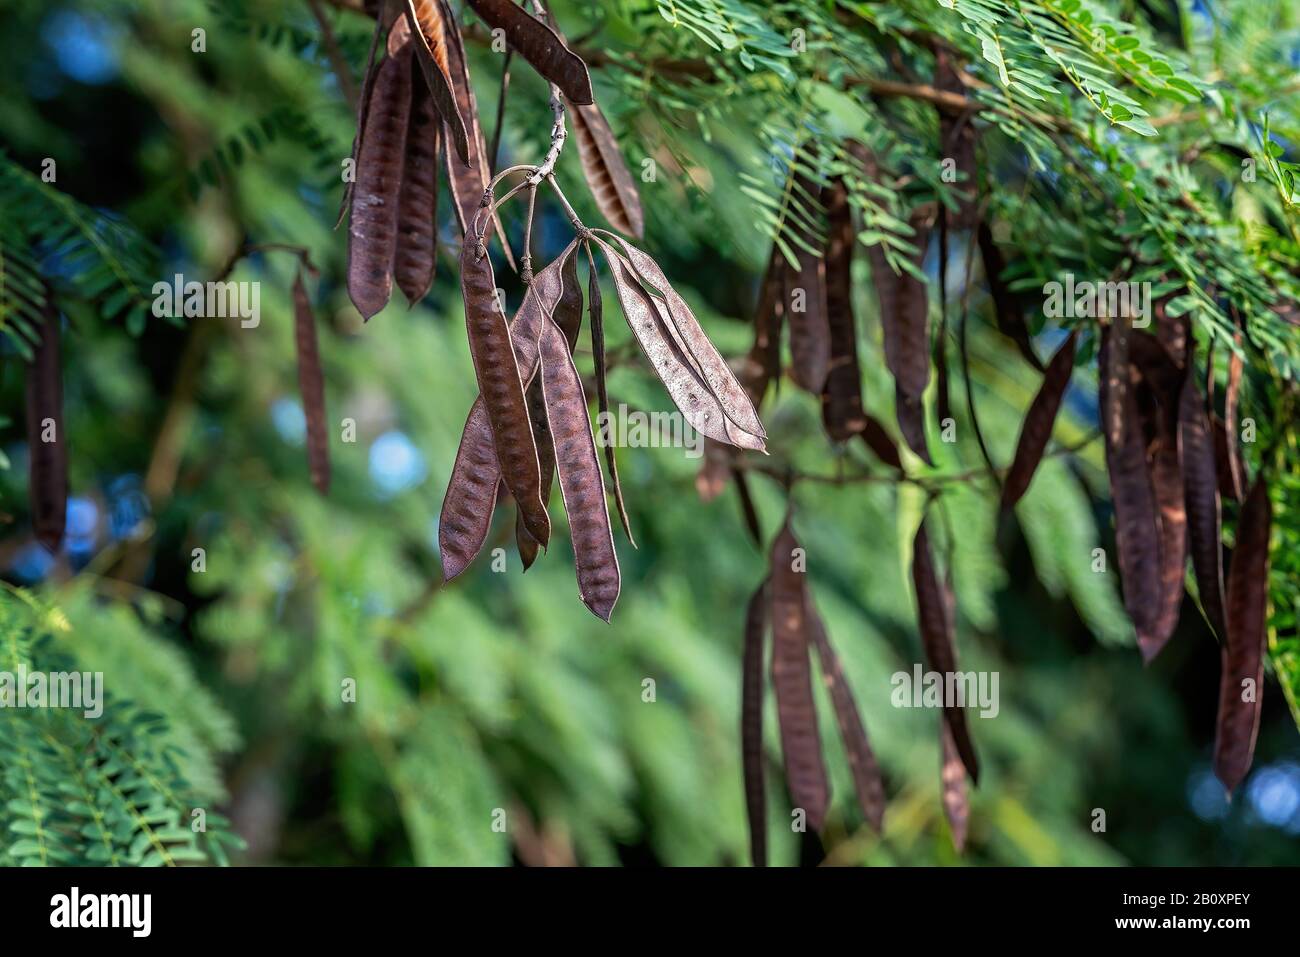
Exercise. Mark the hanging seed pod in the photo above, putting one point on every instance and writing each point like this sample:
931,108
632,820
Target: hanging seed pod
476,474
1136,530
311,386
1038,423
47,442
751,724
540,46
363,108
791,677
1201,494
842,410
606,173
763,364
432,26
649,318
1007,309
1241,686
578,469
868,783
1232,474
417,209
805,294
937,639
882,445
372,229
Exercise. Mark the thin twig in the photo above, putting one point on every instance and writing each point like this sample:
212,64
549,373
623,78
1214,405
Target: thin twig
336,58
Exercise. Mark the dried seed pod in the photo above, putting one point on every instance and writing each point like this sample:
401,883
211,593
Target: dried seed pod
578,469
541,426
501,387
1241,685
432,25
937,639
363,108
1233,471
763,364
417,208
372,229
1201,494
952,780
1136,529
842,410
905,325
1007,310
539,45
476,474
1038,423
606,173
47,442
867,781
712,367
751,724
791,678
597,309
311,386
649,318
805,298
1172,334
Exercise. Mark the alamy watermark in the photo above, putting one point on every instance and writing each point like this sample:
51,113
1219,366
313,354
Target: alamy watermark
946,689
1086,299
633,429
83,690
214,300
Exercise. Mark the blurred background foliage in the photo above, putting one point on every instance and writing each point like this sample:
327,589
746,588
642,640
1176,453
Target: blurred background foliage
499,692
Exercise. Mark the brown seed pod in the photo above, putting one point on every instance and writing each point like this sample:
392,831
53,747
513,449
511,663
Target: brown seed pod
363,108
712,367
1136,526
431,24
417,208
751,724
1038,423
1232,472
867,780
541,426
539,45
1241,686
476,474
763,364
372,229
878,439
1201,494
606,172
952,780
578,469
842,410
311,386
649,318
1007,309
805,297
47,442
1172,334
501,387
468,179
791,678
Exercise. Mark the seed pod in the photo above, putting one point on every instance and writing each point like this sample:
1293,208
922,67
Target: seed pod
1201,493
597,309
842,410
1241,686
311,386
937,639
880,443
578,469
717,375
47,461
956,802
1173,334
501,387
1038,423
363,108
805,298
476,474
648,317
791,677
432,25
1007,309
372,229
541,426
468,179
606,173
1232,474
1136,530
539,45
751,724
862,762
763,365
957,141
417,209
905,326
